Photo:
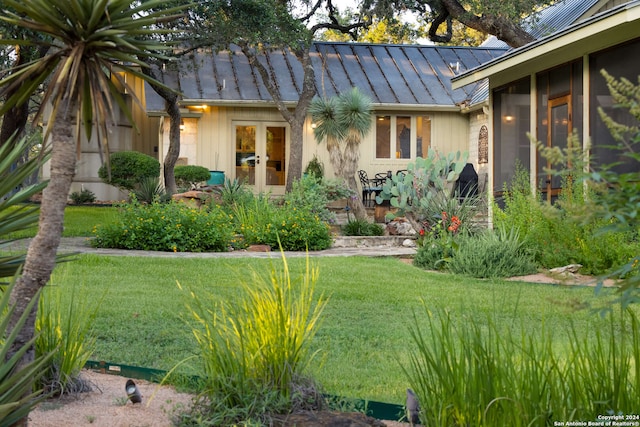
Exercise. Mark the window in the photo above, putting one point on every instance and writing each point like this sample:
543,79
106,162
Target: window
411,136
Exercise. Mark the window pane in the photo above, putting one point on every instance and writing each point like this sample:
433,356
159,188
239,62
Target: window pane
423,136
403,141
383,137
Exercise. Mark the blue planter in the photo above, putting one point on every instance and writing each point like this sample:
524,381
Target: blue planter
216,178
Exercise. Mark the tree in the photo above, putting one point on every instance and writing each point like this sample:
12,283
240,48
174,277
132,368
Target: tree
342,121
86,41
499,18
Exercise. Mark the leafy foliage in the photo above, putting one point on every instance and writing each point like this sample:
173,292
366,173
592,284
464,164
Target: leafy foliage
313,195
66,331
128,168
289,226
498,253
188,176
17,397
255,350
150,189
359,227
170,227
15,215
568,232
82,71
424,192
83,196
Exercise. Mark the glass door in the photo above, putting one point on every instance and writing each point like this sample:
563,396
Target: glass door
558,130
260,152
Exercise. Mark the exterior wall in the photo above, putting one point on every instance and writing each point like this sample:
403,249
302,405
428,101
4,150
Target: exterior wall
478,120
119,139
212,136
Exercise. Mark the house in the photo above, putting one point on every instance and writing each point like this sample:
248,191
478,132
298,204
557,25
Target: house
230,121
231,124
553,86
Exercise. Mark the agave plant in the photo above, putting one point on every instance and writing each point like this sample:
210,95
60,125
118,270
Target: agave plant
16,380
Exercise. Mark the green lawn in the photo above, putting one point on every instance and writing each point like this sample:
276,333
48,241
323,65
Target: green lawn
79,221
365,330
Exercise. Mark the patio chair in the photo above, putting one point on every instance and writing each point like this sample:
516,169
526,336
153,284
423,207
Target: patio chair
367,189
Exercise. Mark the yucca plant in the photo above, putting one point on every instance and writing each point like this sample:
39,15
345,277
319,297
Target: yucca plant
17,396
255,350
65,328
15,214
343,121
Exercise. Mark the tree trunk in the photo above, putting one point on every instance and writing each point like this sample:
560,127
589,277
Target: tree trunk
41,255
174,146
296,118
294,165
350,160
173,110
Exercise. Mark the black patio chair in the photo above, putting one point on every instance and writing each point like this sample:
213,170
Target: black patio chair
367,188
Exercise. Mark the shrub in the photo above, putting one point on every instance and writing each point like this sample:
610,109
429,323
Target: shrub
564,233
256,348
360,227
82,197
492,254
188,176
313,195
294,228
170,227
129,168
298,230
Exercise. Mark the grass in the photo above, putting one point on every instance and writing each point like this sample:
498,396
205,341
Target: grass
365,326
79,221
365,330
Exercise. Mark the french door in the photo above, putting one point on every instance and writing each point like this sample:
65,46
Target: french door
260,155
558,130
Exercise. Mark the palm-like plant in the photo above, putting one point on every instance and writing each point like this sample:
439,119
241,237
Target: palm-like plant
343,121
14,214
89,42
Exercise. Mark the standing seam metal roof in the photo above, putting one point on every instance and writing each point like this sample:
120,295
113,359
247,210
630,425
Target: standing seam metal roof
389,74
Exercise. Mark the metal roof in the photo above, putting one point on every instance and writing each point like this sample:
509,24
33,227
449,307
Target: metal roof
391,75
550,19
584,26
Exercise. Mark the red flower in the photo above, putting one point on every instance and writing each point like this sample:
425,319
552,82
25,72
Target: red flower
455,224
444,216
422,231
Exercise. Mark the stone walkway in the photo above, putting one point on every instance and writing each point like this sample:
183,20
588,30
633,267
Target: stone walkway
82,245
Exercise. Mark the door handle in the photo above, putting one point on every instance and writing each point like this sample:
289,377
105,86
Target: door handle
257,160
